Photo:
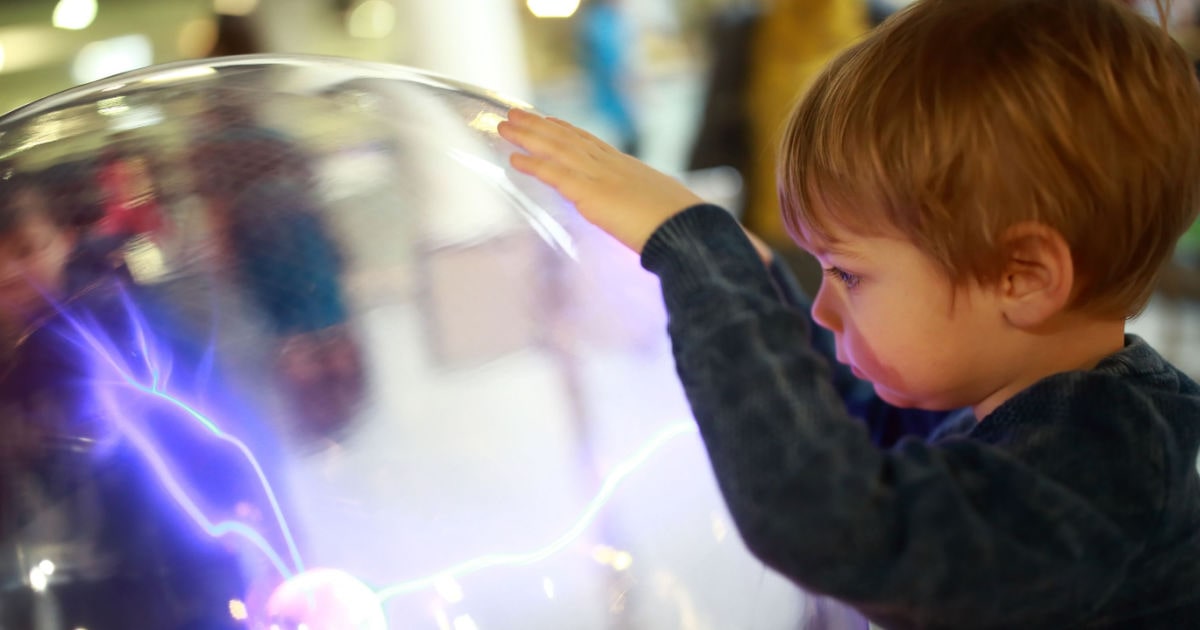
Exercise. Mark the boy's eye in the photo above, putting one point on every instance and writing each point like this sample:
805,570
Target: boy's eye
848,279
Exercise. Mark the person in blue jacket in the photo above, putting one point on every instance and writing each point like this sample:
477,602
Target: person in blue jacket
287,260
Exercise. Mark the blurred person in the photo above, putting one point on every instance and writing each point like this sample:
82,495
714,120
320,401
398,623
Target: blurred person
992,188
236,35
605,44
766,54
724,134
260,189
131,204
76,486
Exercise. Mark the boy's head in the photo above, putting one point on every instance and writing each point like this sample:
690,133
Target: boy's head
957,122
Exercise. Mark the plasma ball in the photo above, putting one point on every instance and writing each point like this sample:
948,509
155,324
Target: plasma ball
326,599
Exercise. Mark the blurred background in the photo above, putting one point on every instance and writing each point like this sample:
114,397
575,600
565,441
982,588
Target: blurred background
697,88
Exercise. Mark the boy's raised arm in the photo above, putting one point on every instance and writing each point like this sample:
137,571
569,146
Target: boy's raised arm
629,200
914,534
959,535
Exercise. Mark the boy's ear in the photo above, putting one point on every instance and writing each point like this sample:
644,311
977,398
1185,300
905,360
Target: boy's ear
1039,276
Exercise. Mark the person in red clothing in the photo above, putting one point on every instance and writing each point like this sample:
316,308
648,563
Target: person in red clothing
131,204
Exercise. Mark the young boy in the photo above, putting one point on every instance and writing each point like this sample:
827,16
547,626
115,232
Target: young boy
992,186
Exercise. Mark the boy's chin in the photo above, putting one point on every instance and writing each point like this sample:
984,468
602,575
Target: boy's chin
895,399
909,401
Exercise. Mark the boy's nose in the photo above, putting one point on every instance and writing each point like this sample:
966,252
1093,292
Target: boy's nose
823,311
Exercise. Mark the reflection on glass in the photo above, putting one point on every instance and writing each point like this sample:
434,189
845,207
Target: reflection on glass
300,350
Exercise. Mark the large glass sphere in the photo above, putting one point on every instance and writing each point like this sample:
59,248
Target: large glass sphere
287,344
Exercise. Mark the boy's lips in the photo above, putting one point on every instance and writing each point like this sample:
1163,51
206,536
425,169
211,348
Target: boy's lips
850,364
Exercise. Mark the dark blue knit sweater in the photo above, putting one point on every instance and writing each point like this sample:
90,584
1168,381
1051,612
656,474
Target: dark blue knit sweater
1076,503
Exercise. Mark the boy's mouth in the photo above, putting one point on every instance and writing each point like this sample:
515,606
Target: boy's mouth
853,368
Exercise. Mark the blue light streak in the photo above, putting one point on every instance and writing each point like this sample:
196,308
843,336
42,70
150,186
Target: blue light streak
155,390
158,463
182,497
585,520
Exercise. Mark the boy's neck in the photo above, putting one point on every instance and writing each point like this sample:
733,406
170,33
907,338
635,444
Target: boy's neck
1075,343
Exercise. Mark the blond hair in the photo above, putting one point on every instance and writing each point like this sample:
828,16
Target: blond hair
959,119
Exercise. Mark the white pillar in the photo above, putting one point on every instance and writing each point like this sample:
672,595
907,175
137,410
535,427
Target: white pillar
476,41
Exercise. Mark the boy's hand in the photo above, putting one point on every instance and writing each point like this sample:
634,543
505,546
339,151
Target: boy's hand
618,193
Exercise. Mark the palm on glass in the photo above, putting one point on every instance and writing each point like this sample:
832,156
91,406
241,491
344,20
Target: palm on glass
615,191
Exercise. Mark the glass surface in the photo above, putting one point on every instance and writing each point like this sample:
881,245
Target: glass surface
286,343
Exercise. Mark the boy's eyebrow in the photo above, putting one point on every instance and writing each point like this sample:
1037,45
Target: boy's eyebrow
836,249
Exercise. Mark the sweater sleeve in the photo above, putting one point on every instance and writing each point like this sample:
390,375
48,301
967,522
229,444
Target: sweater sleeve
886,423
955,535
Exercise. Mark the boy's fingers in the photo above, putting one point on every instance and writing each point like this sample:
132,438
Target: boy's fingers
552,173
584,135
516,114
535,136
572,152
538,134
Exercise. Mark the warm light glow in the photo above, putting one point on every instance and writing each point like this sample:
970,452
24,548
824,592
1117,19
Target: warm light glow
112,56
486,122
1,57
552,8
197,37
114,106
181,74
30,46
603,554
373,19
135,117
619,560
237,610
74,15
234,7
37,580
